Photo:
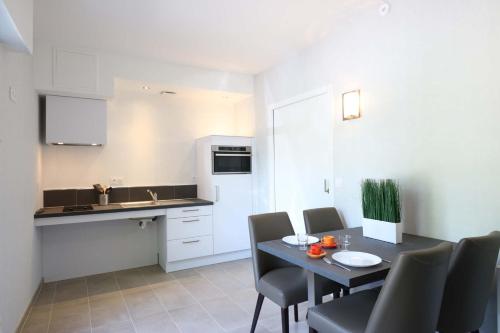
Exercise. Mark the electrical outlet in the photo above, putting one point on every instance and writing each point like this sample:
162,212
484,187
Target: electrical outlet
116,181
12,94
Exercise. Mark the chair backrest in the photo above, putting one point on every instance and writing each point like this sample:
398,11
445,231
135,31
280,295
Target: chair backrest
322,220
469,283
265,227
411,296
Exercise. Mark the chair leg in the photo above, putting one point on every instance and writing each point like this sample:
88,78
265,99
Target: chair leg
296,312
258,306
284,321
336,294
346,291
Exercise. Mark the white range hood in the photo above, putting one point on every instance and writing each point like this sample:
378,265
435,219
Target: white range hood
75,121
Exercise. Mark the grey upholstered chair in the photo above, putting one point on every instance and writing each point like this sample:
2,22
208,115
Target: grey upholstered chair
322,219
401,306
282,282
469,284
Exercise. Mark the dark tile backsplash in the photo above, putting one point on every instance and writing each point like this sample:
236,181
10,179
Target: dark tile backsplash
186,191
70,197
119,194
59,198
139,193
165,192
86,197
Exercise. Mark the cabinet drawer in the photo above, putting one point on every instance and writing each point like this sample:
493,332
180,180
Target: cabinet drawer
186,227
188,248
173,213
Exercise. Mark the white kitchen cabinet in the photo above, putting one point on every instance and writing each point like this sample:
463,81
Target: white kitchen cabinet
188,248
231,194
232,207
70,71
173,213
186,237
185,227
75,121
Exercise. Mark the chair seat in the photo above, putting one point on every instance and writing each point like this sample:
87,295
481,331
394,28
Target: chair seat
284,286
348,314
288,286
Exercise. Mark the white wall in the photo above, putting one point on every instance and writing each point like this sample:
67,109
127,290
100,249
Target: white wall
82,249
151,139
245,117
429,77
20,251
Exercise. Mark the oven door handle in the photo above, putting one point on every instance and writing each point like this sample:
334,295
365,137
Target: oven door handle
233,155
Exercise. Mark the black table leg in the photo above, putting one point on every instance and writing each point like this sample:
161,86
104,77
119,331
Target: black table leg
313,294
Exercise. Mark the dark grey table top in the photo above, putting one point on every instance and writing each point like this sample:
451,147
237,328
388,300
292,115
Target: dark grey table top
357,276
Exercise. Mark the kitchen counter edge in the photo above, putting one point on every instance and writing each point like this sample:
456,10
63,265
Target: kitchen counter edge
116,208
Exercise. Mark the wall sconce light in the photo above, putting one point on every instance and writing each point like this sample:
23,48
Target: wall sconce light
351,105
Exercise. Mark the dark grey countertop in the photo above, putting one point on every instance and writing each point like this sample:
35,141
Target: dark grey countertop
116,207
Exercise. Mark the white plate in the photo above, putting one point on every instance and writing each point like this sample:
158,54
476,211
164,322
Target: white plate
292,240
356,259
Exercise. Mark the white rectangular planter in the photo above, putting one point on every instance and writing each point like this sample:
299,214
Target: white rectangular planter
384,231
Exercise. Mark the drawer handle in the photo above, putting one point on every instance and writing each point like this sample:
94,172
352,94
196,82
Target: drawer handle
189,210
186,221
189,242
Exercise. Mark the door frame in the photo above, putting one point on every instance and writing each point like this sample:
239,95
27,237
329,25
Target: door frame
271,108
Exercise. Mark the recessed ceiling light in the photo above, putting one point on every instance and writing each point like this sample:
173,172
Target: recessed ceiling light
60,143
146,87
93,144
167,92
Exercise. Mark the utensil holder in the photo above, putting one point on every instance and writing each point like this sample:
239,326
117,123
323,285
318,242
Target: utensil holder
103,199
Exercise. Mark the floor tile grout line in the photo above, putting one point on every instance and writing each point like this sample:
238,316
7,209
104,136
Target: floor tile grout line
202,306
51,312
163,306
227,295
124,301
88,304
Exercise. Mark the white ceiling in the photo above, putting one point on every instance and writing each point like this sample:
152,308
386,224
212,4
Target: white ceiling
245,36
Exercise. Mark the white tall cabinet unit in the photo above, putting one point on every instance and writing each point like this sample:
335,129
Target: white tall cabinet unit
231,194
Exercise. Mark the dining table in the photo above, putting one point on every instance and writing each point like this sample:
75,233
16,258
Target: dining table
347,276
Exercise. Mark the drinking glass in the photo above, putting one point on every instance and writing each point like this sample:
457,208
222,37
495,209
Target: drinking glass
302,241
347,242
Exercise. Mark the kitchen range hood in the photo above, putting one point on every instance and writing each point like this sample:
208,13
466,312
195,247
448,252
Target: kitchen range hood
75,121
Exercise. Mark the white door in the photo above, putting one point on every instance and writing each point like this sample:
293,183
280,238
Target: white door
232,206
303,153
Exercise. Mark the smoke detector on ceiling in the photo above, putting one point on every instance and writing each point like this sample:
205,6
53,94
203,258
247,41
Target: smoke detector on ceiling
384,9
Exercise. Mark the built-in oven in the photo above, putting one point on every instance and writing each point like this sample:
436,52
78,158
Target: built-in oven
231,159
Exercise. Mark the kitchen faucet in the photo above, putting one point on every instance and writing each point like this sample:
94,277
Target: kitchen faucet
154,196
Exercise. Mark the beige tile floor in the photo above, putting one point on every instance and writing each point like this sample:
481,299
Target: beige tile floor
216,298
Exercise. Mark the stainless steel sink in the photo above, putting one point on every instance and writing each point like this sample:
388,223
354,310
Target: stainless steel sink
135,204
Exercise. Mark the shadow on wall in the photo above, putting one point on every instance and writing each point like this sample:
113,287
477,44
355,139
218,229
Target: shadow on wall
416,200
